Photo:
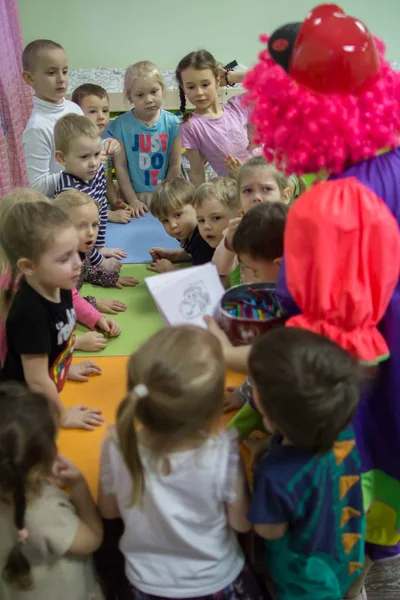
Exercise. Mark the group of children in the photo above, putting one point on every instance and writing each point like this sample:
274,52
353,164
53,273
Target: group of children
177,484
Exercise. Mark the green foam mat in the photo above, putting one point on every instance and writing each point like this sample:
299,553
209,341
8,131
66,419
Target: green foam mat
140,320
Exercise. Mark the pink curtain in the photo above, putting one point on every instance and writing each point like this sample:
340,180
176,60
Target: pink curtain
15,99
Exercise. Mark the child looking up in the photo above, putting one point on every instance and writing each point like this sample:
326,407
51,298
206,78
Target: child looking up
216,203
211,132
257,182
179,488
47,536
95,103
78,146
172,205
41,243
149,136
307,501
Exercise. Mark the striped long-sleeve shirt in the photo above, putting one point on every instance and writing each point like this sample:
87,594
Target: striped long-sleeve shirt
96,189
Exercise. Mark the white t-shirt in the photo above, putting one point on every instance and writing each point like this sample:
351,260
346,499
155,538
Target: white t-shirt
179,544
38,143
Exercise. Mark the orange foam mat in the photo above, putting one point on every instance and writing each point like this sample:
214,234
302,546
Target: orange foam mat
104,392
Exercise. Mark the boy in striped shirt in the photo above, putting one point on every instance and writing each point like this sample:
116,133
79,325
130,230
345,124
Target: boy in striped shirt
78,148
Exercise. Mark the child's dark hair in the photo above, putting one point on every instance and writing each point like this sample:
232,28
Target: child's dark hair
27,449
261,231
175,390
88,89
201,59
31,51
306,384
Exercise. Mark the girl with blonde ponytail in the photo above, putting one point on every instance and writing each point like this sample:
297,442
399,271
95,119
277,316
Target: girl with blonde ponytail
176,481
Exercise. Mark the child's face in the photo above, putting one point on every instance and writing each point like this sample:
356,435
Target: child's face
259,185
98,111
200,87
180,222
49,78
147,96
213,218
83,157
260,271
59,266
86,220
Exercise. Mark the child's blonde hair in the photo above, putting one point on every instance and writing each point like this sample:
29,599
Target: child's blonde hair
170,195
27,230
283,182
70,127
222,188
175,390
71,198
141,70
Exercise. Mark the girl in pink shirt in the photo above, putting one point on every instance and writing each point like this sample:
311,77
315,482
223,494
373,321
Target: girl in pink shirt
211,132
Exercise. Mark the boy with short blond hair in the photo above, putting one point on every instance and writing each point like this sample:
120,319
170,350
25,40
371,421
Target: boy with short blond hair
95,103
78,148
173,205
45,69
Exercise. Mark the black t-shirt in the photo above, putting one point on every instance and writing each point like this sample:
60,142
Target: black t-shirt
198,248
37,326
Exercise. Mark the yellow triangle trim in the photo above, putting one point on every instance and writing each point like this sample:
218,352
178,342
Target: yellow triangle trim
354,566
341,450
346,482
348,513
350,540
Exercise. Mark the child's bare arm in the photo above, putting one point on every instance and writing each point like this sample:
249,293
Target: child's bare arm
121,169
274,531
237,510
175,160
197,173
112,196
236,357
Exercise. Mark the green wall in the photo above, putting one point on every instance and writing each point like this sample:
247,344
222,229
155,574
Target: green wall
104,33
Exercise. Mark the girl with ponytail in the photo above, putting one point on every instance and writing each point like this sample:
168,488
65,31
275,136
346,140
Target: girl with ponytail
177,483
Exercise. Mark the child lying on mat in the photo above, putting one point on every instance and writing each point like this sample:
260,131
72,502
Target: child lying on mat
173,205
78,147
40,243
95,103
178,484
86,314
83,212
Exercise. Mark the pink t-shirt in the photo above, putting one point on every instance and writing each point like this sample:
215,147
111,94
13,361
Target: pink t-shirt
216,138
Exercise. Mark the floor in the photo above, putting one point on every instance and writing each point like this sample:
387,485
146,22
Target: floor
383,581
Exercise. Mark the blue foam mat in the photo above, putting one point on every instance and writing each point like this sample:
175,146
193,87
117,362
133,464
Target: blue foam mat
137,237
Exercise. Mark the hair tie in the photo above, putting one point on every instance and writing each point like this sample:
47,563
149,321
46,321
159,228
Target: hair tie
141,390
23,535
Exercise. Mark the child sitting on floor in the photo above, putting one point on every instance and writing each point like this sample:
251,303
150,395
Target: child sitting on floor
258,244
173,206
151,147
78,146
47,536
41,243
83,212
45,69
95,103
307,500
179,487
257,182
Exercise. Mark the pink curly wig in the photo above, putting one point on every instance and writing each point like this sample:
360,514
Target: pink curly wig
303,131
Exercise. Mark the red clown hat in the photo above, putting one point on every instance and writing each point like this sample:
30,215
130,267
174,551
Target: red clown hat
342,257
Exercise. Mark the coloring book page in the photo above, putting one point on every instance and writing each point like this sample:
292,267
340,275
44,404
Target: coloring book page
184,296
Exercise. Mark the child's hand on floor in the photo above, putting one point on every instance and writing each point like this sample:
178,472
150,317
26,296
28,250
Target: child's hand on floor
232,399
230,232
233,165
66,473
125,281
117,253
158,253
93,341
112,307
81,417
111,264
120,215
161,266
81,371
112,147
139,209
109,326
121,205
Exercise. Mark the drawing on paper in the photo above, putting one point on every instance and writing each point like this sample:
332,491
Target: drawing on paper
195,301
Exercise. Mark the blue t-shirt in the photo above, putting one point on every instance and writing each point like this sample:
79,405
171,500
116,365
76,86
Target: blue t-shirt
147,148
320,498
